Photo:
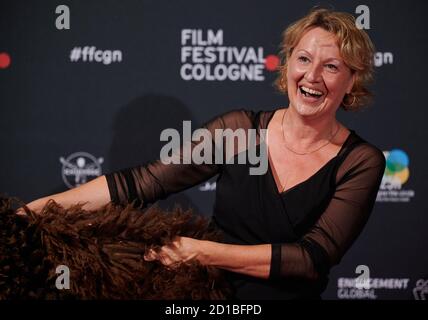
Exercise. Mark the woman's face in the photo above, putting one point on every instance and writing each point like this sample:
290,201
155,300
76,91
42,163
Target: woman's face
317,76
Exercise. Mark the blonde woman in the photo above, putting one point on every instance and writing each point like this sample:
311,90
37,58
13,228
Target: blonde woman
285,229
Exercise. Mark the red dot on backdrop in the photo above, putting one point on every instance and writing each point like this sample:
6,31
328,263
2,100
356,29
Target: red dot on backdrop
271,62
4,60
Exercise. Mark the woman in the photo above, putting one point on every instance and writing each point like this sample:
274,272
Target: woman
283,230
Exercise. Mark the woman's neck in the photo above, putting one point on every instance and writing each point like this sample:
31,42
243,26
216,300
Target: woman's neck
308,130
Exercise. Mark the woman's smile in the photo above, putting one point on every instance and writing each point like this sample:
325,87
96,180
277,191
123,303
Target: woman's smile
308,95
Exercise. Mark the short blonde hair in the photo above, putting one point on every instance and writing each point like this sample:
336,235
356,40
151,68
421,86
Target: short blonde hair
355,46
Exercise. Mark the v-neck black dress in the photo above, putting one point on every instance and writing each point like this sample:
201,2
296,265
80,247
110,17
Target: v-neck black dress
310,226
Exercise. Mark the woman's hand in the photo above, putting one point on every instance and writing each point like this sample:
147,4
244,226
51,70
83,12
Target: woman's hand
252,260
182,249
20,212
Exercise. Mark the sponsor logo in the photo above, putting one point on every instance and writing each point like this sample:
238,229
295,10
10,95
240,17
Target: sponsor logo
351,288
396,174
420,292
204,56
79,167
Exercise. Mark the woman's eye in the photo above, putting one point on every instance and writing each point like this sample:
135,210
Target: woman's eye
331,67
303,59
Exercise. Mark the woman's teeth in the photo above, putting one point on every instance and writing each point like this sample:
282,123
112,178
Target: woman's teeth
310,92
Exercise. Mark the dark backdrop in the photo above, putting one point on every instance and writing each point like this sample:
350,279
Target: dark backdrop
56,114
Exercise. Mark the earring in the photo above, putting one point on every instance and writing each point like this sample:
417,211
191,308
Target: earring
353,101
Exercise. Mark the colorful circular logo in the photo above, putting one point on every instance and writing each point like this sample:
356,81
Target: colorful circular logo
397,165
4,60
271,62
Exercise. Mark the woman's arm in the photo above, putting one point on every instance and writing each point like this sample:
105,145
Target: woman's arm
94,194
252,260
317,250
147,183
153,181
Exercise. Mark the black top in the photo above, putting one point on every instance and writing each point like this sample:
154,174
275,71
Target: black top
310,226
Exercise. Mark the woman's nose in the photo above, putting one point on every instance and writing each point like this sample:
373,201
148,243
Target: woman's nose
313,73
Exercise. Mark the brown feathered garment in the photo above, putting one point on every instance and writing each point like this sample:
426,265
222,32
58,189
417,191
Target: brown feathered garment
103,250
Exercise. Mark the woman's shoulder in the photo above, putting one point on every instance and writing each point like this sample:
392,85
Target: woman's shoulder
240,118
363,153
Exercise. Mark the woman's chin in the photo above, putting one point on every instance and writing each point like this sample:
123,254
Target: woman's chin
305,109
308,105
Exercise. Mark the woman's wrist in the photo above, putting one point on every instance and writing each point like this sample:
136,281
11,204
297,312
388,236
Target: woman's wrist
253,260
206,252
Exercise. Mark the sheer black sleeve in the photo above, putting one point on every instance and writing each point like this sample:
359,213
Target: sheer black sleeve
156,180
357,183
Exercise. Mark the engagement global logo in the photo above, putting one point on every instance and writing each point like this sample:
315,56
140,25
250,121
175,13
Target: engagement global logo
396,174
347,288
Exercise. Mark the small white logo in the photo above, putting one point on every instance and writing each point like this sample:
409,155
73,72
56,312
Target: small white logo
63,20
207,186
363,280
420,292
363,20
77,167
63,280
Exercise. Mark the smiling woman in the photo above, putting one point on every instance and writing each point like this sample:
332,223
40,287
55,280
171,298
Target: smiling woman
282,230
340,47
317,74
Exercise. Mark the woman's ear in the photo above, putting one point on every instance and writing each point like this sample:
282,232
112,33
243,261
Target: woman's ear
351,83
